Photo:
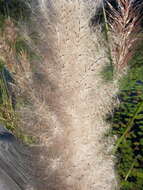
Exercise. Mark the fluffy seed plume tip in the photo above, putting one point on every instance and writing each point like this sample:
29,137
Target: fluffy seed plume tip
125,27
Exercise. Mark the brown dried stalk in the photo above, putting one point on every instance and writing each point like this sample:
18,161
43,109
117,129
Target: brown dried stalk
125,26
8,38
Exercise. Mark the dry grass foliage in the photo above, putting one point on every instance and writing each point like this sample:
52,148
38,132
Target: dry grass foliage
17,63
125,28
7,37
23,74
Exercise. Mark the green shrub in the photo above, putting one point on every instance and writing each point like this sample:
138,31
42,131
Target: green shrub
128,126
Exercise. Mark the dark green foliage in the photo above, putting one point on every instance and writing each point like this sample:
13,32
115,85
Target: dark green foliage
17,9
128,126
107,72
7,114
131,146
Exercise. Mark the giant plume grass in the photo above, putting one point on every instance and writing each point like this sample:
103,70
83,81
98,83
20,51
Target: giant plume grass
68,100
64,112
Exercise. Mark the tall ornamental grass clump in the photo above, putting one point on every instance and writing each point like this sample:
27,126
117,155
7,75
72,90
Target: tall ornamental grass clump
64,100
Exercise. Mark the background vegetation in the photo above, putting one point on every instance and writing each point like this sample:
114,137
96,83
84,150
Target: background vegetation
127,119
13,51
127,124
16,9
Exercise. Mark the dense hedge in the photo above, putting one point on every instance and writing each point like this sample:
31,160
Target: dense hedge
130,115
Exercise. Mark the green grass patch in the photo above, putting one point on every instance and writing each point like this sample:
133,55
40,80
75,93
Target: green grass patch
127,124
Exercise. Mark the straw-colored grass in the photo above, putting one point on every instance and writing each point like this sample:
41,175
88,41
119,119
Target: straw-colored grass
69,100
